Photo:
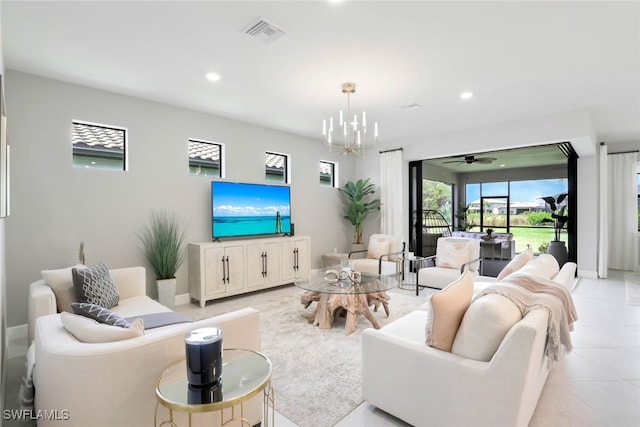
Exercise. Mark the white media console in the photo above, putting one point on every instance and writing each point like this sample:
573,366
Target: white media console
222,269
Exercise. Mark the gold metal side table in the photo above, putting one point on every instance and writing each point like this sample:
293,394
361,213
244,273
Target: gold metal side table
245,373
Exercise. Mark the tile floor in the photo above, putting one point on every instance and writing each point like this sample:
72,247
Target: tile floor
598,384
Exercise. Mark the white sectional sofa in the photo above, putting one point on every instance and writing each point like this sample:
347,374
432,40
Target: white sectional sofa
425,386
113,383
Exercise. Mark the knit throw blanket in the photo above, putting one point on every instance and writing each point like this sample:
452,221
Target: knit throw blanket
530,292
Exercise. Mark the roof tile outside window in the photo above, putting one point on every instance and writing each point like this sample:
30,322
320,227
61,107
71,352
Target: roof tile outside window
98,146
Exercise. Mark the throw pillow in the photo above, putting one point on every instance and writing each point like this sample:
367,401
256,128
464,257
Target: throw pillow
89,331
544,265
516,263
484,326
448,307
61,283
452,252
99,314
378,246
94,285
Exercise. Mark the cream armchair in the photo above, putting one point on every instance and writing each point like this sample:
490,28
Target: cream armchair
453,255
382,252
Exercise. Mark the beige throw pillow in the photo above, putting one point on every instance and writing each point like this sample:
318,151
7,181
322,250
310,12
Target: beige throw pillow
544,265
90,331
516,263
61,283
484,326
447,310
378,246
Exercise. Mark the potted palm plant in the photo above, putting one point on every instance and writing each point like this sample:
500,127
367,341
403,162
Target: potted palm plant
358,205
557,206
162,241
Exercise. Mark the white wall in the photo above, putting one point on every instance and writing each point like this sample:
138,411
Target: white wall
573,126
55,206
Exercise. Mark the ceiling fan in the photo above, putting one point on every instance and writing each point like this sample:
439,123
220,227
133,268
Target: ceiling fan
469,159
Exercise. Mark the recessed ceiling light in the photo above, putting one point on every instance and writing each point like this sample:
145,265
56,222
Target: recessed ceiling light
213,77
466,95
502,165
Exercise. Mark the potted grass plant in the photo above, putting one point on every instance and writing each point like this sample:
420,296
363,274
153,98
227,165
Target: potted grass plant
162,240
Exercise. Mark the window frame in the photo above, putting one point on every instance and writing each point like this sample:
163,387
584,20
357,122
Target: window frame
79,150
222,162
286,173
334,173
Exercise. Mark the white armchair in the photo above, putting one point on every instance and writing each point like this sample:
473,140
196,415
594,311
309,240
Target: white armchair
382,252
453,255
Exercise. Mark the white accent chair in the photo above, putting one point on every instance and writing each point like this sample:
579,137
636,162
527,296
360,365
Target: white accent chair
382,252
453,255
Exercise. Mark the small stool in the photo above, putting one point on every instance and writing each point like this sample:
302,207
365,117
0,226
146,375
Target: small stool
333,259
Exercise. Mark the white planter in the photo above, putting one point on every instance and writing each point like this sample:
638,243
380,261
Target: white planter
167,292
357,247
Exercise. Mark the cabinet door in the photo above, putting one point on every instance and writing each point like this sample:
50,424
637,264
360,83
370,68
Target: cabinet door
256,265
234,259
214,271
303,256
272,263
295,260
263,264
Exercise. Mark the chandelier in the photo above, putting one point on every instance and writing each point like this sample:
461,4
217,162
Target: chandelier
348,136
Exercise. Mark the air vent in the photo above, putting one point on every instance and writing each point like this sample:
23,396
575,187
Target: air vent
264,30
413,106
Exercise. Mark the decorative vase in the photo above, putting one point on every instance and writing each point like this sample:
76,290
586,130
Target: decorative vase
167,292
559,251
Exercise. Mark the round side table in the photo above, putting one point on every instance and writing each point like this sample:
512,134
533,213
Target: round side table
245,374
407,271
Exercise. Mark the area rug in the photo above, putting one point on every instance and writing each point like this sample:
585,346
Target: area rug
317,373
632,285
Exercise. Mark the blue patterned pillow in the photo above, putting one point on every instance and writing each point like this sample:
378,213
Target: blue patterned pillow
100,314
94,285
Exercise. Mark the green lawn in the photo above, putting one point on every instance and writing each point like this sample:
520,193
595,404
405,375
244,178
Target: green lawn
531,236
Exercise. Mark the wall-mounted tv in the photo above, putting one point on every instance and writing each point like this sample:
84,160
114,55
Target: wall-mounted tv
240,209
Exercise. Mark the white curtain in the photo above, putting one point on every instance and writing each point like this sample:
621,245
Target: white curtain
391,192
622,194
603,223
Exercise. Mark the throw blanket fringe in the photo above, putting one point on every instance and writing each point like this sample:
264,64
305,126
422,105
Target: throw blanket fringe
529,292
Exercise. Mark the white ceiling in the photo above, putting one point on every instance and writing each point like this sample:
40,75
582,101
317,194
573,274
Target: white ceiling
520,59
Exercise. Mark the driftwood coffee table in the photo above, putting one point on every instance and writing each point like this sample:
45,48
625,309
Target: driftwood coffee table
345,297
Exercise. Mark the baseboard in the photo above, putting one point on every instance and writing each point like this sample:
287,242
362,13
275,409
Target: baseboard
17,332
589,274
183,299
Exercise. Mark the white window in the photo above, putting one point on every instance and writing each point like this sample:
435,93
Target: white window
97,146
206,158
328,173
277,168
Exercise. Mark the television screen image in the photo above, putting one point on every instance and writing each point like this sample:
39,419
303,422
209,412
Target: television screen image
249,209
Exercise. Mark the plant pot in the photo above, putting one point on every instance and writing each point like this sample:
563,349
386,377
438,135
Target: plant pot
167,292
559,251
357,247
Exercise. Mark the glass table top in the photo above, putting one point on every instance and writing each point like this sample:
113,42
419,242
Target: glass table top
245,373
334,280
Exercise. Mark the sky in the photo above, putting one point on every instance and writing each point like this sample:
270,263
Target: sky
521,191
235,199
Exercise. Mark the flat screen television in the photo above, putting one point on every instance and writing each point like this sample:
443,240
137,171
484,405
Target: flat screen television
240,209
